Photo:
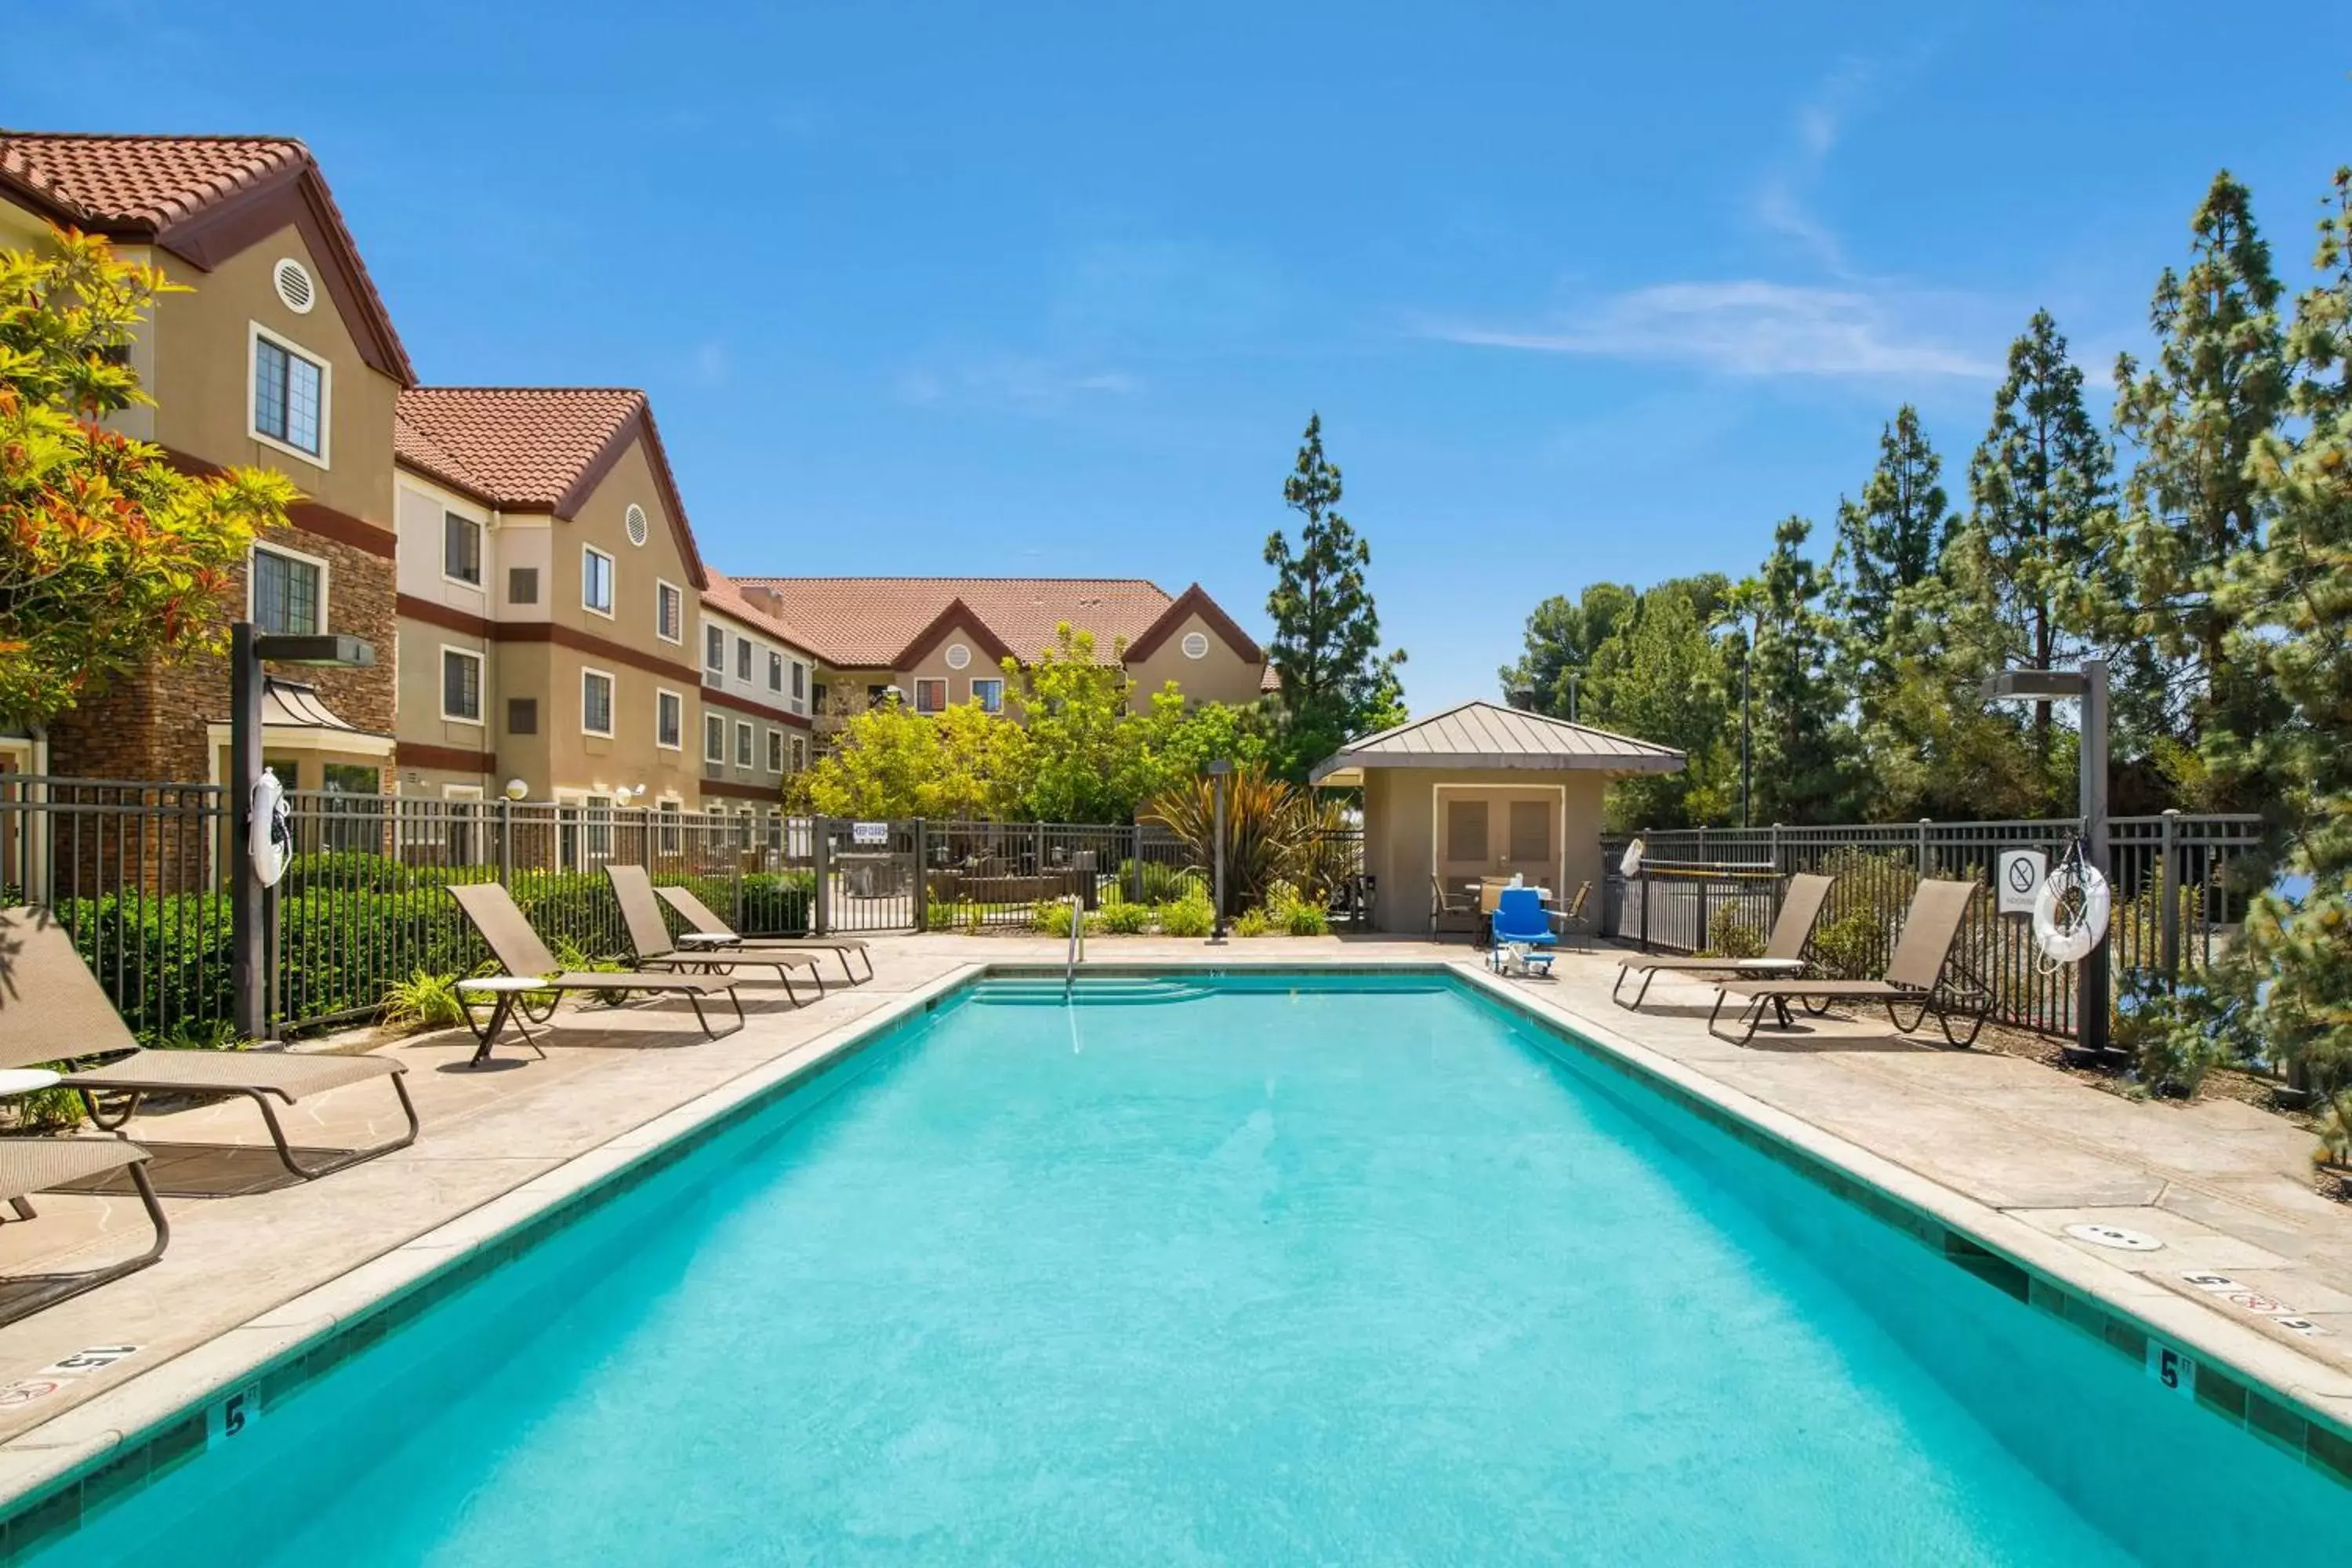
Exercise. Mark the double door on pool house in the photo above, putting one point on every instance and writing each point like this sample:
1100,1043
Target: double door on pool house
1484,831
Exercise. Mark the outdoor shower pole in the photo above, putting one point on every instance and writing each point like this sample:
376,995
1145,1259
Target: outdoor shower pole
247,1010
2091,976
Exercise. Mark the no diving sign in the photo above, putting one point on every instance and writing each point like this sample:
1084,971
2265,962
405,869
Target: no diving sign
2023,872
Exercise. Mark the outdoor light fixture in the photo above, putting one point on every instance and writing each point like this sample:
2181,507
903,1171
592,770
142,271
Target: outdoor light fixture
332,649
517,789
1218,769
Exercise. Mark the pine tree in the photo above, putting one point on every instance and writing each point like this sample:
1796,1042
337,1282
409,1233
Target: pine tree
1563,635
1799,754
1889,541
1327,636
2038,486
1660,676
2214,392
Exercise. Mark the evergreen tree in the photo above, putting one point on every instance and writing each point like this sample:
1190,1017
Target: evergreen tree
2038,485
1327,636
1798,757
1889,541
1563,635
2213,393
1660,676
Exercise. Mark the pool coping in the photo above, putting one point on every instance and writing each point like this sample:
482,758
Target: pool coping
95,1454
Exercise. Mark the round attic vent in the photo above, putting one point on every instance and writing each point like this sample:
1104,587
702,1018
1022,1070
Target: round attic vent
294,286
634,520
1195,646
959,656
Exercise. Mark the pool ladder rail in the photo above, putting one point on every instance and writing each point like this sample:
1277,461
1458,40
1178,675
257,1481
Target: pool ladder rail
1078,946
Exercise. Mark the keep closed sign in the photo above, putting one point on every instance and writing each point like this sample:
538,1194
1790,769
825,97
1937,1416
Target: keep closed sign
2022,874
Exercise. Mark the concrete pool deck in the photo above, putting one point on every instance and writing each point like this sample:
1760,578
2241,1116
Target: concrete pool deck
1997,1146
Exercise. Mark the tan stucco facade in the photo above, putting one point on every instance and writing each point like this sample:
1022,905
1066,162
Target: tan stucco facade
1220,675
1418,822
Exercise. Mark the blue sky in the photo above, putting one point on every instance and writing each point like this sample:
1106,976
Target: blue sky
1579,292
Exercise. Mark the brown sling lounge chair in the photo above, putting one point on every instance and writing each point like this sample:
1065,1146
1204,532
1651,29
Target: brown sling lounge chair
30,1166
707,929
1784,951
493,912
52,1008
1915,975
649,934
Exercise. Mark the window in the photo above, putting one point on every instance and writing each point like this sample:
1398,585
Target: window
596,580
989,694
930,695
742,660
522,584
799,680
357,820
522,715
1466,830
461,686
597,811
670,721
775,672
1530,824
714,738
289,397
877,695
670,613
461,549
595,702
742,744
714,650
289,592
800,754
816,695
775,751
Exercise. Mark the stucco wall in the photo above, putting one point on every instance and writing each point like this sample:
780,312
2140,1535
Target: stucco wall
1400,819
1220,675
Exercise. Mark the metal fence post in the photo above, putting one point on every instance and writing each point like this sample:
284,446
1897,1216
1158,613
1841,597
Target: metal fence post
2168,888
506,842
1698,939
922,920
1921,854
1135,860
1642,876
1776,848
821,855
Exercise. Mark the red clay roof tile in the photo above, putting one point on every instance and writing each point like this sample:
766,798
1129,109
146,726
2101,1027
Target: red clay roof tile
521,446
865,622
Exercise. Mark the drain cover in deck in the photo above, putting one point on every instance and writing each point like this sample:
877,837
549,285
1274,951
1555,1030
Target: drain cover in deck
2122,1240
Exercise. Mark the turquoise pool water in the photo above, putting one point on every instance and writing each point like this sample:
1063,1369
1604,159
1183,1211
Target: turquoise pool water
1249,1272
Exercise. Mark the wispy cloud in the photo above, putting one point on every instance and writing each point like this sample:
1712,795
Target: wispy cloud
1741,327
1028,382
1782,200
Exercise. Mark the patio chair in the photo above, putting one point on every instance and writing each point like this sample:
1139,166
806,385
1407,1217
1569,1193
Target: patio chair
649,934
1575,910
30,1166
1490,894
1522,925
1915,975
52,1008
707,929
1445,906
1784,949
491,911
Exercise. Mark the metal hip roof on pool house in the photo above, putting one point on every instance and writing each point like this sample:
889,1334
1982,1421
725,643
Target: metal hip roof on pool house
1487,735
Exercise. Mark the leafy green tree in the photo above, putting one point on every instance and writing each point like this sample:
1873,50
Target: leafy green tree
2195,416
1562,634
2038,486
1327,636
962,764
1800,753
1170,742
1660,676
109,556
1931,746
1889,541
1074,708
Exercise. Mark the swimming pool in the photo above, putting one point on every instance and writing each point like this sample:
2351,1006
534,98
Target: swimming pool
1242,1270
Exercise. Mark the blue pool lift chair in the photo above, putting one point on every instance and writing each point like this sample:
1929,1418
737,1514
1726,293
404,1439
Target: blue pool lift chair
1521,929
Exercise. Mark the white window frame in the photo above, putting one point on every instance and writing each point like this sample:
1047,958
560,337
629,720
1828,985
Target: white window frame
481,550
932,680
746,756
321,458
481,684
997,681
775,751
673,591
612,581
612,702
664,694
713,722
274,548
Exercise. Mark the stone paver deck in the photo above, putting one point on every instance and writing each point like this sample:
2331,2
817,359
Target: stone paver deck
2223,1185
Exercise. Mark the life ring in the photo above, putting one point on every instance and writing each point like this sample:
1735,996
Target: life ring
270,828
2063,935
1631,866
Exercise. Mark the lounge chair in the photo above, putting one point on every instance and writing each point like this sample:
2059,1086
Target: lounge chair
30,1166
1783,957
52,1008
709,931
1915,975
649,934
1521,923
1575,910
493,912
1445,906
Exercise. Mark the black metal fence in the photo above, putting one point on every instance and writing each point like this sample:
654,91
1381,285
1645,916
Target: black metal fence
2174,900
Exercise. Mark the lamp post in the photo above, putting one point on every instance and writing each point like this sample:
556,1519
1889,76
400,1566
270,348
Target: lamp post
1218,769
2087,685
247,650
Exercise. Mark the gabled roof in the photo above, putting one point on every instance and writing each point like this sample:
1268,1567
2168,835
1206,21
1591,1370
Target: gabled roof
202,198
874,623
722,594
1194,601
1487,735
535,449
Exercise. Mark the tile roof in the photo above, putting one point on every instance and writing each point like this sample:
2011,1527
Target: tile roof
152,188
724,596
865,623
518,447
1487,735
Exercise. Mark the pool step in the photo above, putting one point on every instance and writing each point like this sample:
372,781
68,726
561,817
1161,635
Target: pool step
1092,991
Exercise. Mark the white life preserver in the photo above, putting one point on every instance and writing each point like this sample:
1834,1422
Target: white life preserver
272,829
1631,866
2065,940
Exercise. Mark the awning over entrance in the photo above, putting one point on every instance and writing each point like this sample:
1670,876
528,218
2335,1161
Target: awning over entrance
293,718
1483,735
